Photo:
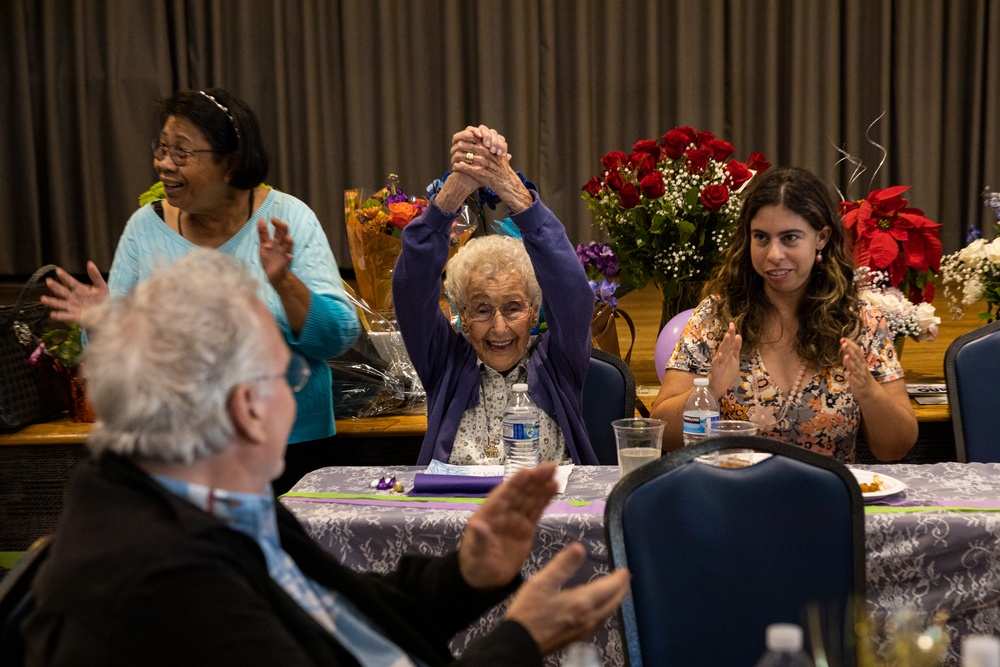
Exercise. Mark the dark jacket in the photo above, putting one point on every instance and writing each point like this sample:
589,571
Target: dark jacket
138,576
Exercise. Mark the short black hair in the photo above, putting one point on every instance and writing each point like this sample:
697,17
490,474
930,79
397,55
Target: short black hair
229,124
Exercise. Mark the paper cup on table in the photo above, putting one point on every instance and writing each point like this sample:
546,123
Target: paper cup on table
640,441
733,458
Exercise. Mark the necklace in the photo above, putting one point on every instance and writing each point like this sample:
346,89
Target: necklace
180,228
791,398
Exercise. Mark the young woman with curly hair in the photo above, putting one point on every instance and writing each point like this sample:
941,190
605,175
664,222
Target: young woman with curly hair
783,337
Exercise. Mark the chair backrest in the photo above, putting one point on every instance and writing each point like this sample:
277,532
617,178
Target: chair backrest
971,372
608,394
717,554
17,601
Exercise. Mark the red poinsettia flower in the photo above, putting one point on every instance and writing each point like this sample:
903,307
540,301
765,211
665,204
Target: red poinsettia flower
890,236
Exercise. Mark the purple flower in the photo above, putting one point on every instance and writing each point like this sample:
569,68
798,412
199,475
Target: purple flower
599,256
604,292
37,354
400,196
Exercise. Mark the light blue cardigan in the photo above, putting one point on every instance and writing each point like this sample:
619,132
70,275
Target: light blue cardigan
331,324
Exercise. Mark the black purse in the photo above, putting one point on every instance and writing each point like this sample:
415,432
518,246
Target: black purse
27,393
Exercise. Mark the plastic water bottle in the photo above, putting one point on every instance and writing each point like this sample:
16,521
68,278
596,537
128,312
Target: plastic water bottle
520,431
980,651
700,409
784,647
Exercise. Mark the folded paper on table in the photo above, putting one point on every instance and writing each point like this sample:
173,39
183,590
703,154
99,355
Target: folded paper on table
439,468
453,485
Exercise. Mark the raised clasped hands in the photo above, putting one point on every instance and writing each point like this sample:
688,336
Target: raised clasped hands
479,157
71,298
496,542
726,362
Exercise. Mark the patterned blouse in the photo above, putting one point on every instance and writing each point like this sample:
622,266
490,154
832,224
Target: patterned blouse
824,417
478,440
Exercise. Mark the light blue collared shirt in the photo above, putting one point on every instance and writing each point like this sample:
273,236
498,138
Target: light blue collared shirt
254,515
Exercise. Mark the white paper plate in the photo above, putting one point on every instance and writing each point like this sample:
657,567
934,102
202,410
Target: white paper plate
891,484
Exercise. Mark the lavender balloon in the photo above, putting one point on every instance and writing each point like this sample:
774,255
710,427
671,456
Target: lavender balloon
667,340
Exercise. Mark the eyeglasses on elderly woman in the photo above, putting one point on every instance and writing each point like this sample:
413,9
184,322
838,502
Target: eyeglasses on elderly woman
177,154
512,311
296,375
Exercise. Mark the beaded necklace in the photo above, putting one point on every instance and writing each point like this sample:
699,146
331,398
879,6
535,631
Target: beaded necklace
791,398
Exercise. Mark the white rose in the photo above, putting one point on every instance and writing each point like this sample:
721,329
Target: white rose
973,251
925,316
875,299
992,251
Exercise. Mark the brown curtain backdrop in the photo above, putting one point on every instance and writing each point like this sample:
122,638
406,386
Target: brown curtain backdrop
350,91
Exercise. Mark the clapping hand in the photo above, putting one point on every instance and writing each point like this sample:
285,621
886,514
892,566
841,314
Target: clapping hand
498,536
276,251
555,616
726,362
70,298
857,372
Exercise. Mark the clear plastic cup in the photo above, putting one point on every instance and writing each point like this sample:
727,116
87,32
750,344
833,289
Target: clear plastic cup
639,440
733,458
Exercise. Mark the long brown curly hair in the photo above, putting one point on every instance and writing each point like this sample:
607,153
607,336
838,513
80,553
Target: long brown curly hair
829,309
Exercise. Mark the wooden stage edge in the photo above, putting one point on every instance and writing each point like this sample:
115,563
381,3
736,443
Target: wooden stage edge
923,363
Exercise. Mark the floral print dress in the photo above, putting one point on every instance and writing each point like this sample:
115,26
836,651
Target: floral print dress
822,416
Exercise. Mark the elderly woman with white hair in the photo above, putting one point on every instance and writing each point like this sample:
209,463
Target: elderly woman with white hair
172,549
497,284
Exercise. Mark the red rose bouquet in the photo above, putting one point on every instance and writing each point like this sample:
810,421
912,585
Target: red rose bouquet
670,208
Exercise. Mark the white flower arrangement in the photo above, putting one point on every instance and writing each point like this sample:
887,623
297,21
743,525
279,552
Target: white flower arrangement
905,318
973,273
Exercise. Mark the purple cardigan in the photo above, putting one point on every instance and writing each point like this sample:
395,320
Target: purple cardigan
446,362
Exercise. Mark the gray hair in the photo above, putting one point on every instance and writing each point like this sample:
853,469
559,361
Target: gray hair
487,257
161,362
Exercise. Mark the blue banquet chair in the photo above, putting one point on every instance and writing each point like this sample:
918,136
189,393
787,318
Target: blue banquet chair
608,394
717,554
971,369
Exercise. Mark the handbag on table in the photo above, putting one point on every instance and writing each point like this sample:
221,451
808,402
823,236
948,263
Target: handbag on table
27,393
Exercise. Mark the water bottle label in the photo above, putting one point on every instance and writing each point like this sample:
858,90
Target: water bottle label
698,425
520,431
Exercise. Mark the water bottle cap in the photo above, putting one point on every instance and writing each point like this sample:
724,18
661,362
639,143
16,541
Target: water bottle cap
981,650
520,386
701,382
784,637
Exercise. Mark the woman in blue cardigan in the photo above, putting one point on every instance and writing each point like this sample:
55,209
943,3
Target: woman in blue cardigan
498,285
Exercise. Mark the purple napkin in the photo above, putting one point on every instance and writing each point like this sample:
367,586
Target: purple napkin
452,485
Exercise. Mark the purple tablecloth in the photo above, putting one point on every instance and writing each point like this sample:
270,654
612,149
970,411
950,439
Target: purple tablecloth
935,546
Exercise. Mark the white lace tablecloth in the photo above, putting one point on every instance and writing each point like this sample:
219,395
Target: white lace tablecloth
935,546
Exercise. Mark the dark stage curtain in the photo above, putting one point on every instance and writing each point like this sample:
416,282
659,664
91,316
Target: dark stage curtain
350,91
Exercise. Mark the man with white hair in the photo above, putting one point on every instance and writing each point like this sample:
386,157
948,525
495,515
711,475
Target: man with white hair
173,551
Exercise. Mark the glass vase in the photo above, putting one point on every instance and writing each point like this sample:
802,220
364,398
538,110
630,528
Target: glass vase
678,296
75,386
